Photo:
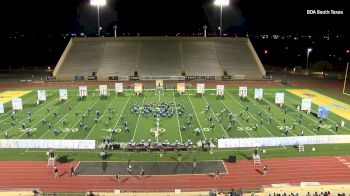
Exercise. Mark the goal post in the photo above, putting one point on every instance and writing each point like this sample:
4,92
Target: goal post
345,87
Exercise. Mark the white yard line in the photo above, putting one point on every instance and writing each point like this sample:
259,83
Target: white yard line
12,110
255,104
196,116
57,122
237,120
157,135
100,118
46,104
121,114
138,119
293,118
289,116
177,117
215,116
158,96
78,120
250,114
37,111
315,121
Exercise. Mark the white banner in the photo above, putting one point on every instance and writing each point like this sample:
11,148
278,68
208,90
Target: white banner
83,91
200,88
63,94
243,91
103,90
323,112
17,104
279,98
283,141
180,87
46,144
306,104
41,95
138,88
118,87
2,110
220,90
258,94
159,84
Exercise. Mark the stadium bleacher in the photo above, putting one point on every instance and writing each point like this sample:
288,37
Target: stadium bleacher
169,56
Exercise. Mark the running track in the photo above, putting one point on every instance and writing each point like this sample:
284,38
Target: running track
241,175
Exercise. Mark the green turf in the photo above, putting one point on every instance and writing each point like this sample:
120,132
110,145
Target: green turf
217,154
140,127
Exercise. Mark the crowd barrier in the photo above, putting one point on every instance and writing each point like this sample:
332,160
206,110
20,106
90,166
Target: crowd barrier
41,143
162,78
282,141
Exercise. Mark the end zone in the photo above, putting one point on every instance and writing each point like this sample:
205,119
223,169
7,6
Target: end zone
335,106
9,95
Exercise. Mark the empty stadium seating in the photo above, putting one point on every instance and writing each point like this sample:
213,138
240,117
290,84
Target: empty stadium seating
159,56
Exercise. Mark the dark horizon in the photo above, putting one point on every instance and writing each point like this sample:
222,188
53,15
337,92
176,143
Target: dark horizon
158,17
41,24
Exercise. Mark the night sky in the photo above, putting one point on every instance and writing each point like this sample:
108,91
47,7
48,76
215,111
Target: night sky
33,32
291,16
171,16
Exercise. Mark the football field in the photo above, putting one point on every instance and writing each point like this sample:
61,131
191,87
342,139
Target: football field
54,119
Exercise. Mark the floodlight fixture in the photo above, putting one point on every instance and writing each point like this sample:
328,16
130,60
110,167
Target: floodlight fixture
98,3
221,3
307,58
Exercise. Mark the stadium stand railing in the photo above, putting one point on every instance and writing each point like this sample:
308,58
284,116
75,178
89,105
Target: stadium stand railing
63,56
256,57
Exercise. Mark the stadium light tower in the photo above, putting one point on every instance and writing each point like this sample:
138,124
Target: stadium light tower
307,58
115,30
98,3
221,3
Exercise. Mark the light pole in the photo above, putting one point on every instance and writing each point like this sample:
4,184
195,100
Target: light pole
221,3
307,59
346,71
115,30
98,3
205,30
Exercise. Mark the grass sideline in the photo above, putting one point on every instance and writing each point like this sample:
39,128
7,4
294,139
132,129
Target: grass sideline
218,154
